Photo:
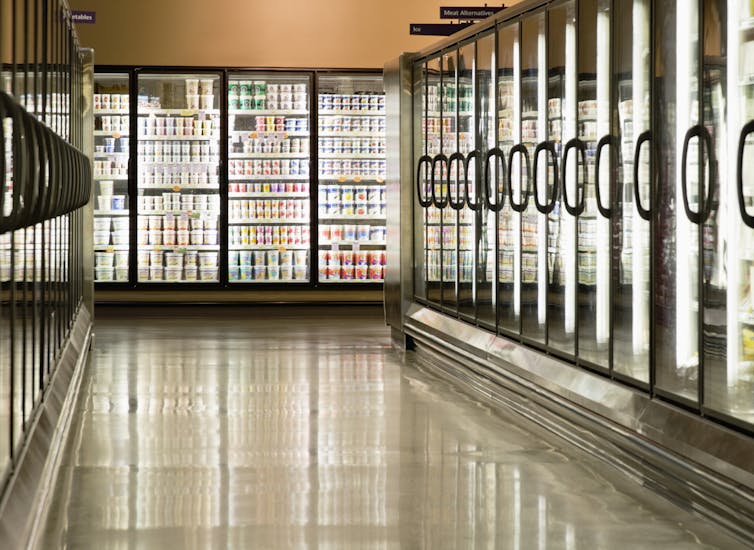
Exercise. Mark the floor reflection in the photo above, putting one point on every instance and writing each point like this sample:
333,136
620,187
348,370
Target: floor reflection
300,428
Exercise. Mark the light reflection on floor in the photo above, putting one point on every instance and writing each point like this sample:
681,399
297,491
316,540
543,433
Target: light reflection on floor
301,428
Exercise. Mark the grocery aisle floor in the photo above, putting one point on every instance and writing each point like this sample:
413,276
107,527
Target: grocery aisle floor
286,427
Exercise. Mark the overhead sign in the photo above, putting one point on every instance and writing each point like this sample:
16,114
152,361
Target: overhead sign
468,13
436,29
85,17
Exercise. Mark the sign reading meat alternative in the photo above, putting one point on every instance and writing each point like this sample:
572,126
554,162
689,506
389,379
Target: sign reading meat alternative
468,13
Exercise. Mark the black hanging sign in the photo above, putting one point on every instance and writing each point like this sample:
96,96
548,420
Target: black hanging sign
436,29
467,13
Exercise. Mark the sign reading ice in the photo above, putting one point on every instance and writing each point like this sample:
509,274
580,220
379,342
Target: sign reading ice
467,13
86,17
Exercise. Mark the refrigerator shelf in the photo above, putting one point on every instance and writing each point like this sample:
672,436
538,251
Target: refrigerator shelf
268,281
145,111
352,243
278,177
110,112
179,213
98,133
179,187
437,114
267,112
265,221
111,247
178,138
269,195
357,218
181,163
180,248
350,281
256,133
280,247
180,281
341,112
111,212
107,155
353,179
268,155
379,135
352,156
110,178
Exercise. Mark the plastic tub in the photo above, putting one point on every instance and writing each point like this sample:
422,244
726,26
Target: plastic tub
103,274
121,274
120,237
121,258
173,274
102,224
208,273
103,259
174,260
156,273
190,258
208,260
190,273
101,238
120,224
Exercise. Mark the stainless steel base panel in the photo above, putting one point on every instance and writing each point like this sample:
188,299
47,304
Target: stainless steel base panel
27,496
698,464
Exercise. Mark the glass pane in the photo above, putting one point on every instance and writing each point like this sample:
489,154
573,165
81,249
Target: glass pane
509,221
111,156
728,277
677,236
449,117
534,224
435,132
466,229
351,188
485,219
268,179
631,65
422,232
561,112
179,157
593,230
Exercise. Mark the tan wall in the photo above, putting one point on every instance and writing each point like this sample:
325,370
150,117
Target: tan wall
256,33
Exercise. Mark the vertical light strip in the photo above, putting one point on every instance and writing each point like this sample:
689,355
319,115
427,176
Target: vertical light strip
569,131
603,128
639,229
733,221
517,190
542,275
687,33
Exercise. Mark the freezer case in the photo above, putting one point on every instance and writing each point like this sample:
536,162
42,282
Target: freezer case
111,163
178,202
351,198
269,227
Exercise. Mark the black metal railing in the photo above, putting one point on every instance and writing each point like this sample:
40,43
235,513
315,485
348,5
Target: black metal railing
46,180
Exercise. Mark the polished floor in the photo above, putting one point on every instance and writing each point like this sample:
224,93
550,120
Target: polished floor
301,428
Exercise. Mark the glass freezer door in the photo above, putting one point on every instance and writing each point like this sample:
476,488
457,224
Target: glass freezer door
449,119
351,181
517,178
561,131
457,161
534,137
729,88
421,196
681,196
435,135
111,161
593,228
268,178
631,96
488,193
178,178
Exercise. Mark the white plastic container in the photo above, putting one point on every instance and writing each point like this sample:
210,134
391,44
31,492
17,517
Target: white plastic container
101,238
173,274
156,273
102,224
104,259
120,224
104,274
121,258
190,273
120,237
208,273
174,260
207,260
121,274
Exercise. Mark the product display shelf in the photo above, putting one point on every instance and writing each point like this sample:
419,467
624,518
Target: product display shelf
269,112
110,176
343,112
146,111
266,177
179,186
